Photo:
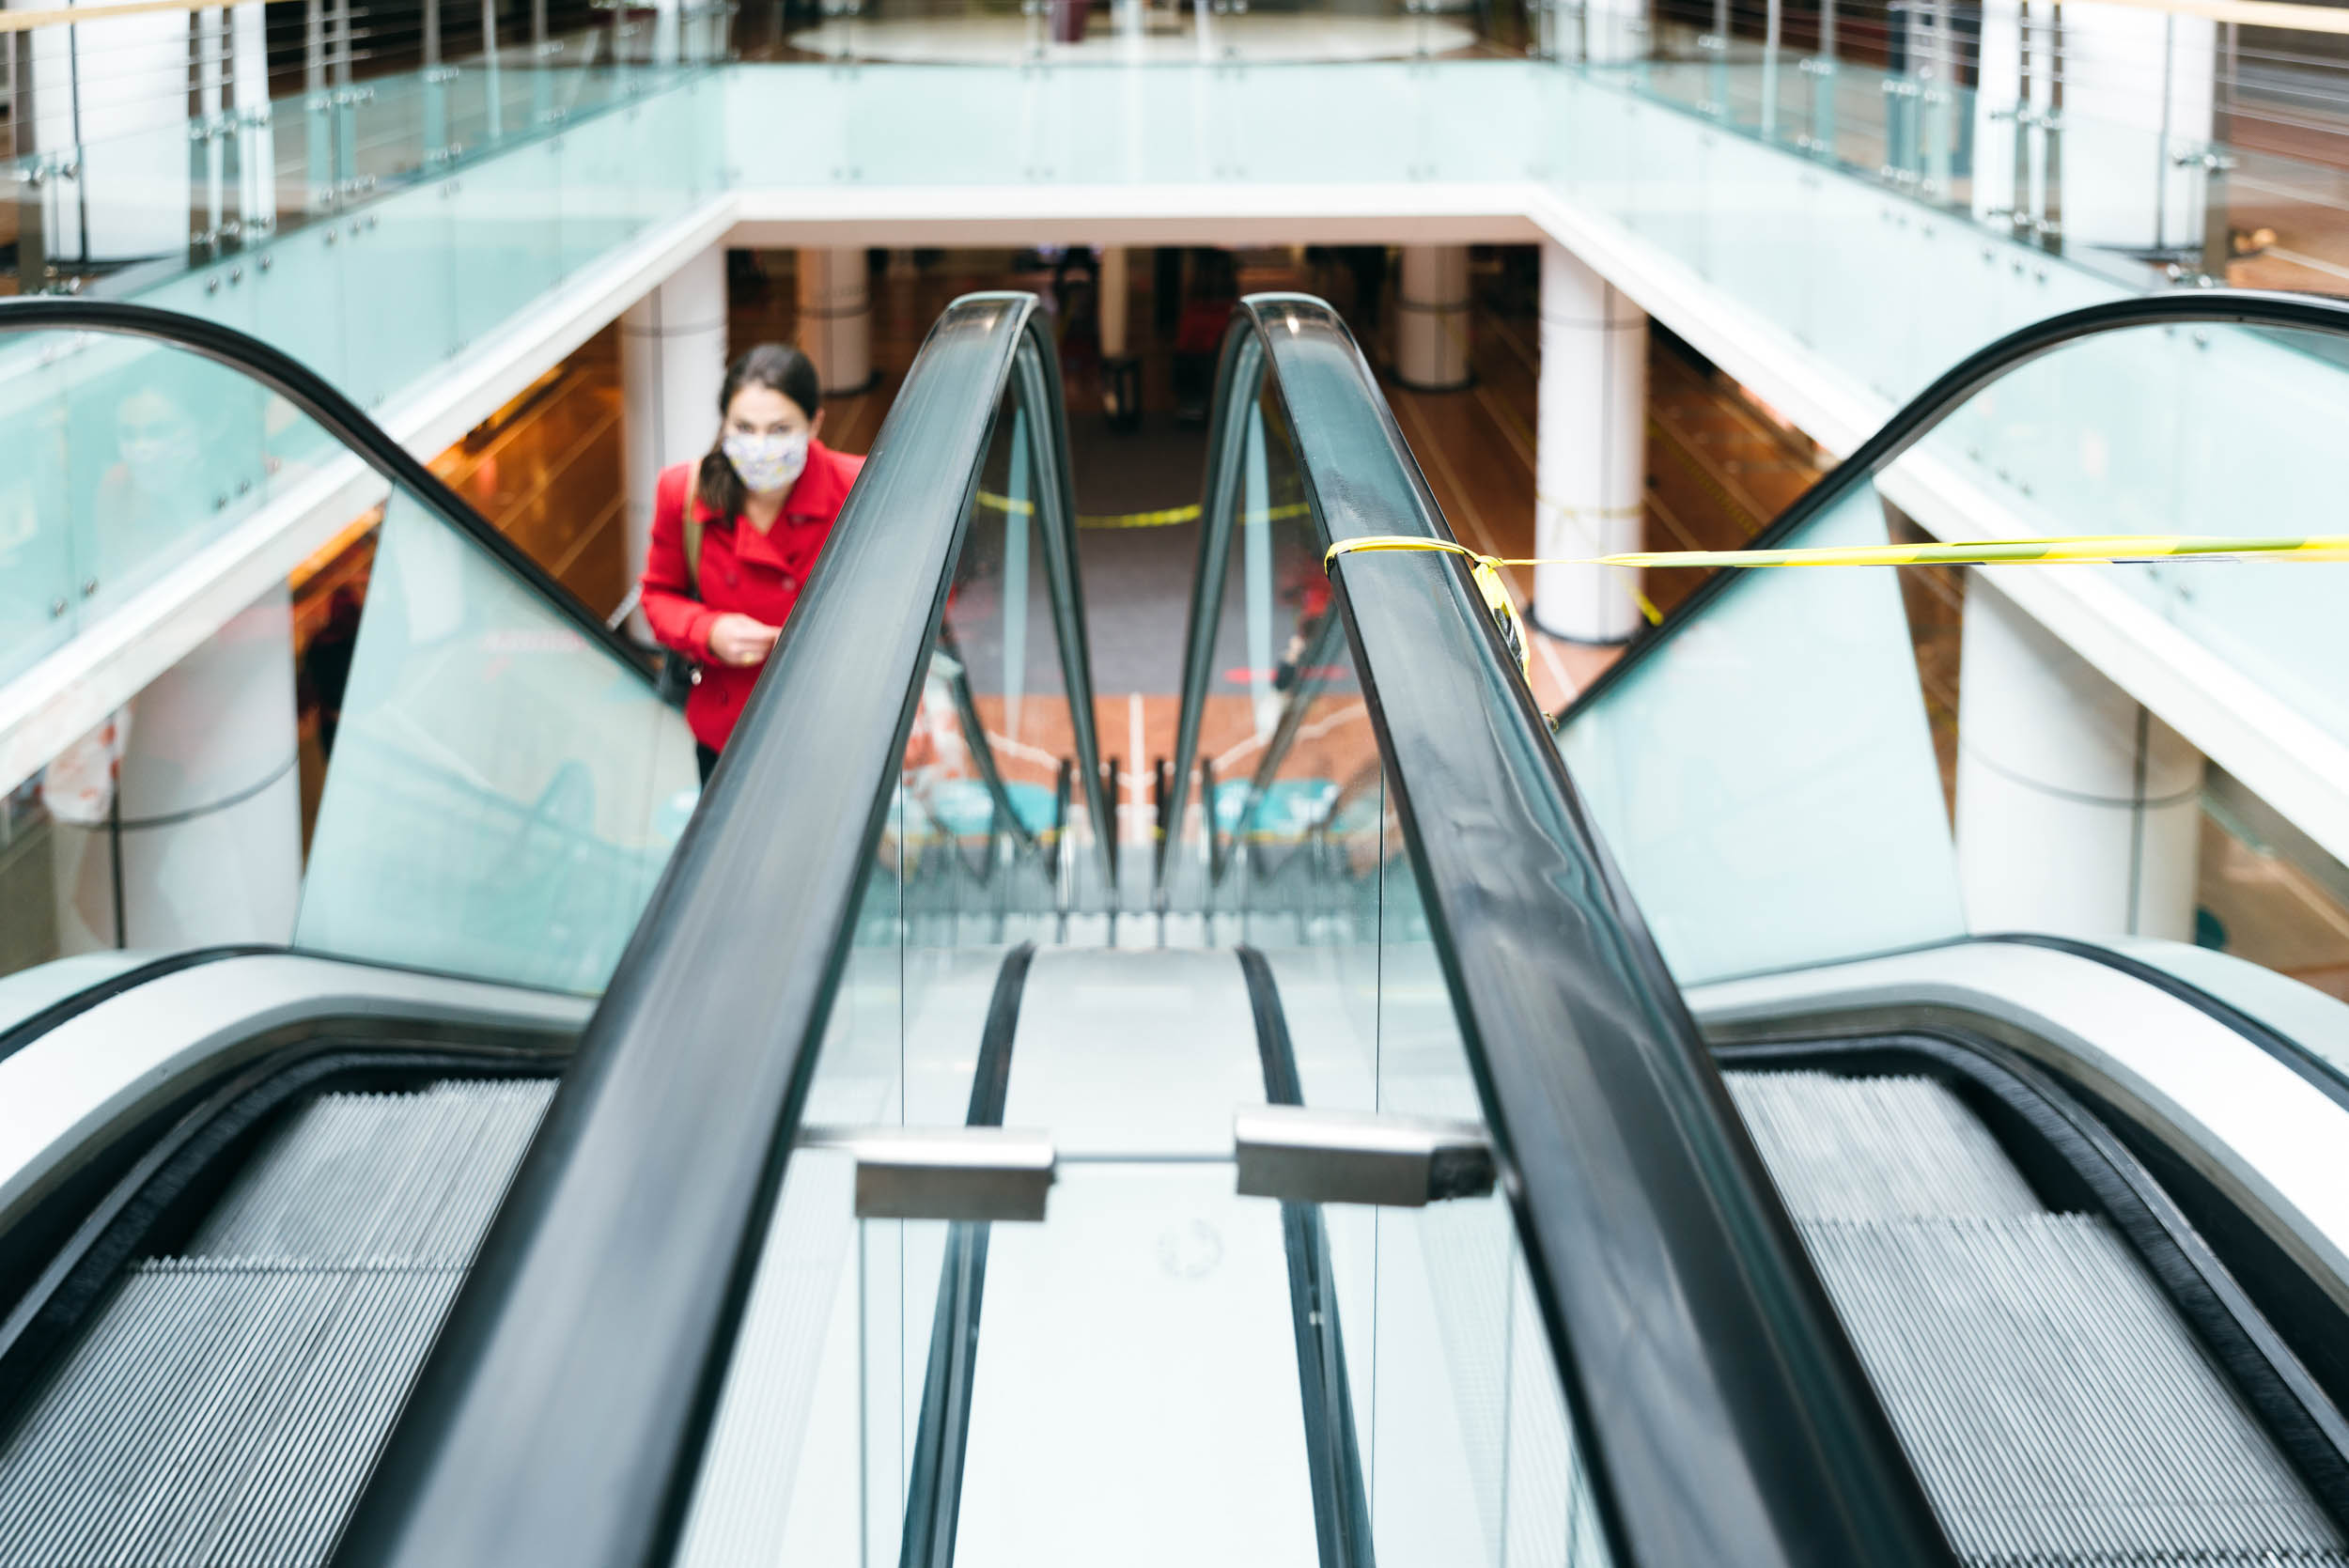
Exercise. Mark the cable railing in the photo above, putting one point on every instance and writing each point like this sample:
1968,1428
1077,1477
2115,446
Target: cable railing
1717,1412
294,123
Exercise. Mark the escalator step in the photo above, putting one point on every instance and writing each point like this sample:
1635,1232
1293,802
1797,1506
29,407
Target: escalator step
223,1413
356,1178
1876,1148
224,1406
2055,1407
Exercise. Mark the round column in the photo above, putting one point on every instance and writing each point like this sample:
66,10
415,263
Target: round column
1431,330
2139,96
1121,373
836,319
112,94
208,810
673,364
2078,813
1615,31
1589,462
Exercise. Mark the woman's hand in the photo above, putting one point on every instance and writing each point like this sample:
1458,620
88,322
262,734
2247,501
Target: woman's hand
737,638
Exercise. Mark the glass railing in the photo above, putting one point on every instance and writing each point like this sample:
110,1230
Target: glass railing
232,184
1372,806
127,459
1803,767
1082,32
914,735
504,785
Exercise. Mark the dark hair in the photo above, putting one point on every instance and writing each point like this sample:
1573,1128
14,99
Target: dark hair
778,367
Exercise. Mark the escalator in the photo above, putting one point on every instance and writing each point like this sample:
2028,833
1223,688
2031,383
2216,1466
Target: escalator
857,1169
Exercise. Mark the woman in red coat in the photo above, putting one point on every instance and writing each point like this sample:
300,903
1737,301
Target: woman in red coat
766,497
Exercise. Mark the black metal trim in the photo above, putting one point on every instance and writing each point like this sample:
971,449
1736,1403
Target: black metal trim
1918,417
1332,1450
1056,518
2076,1162
983,756
2320,1075
943,1436
564,1411
1722,1413
66,1009
1239,373
343,419
1327,639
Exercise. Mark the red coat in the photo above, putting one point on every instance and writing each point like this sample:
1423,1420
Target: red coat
760,575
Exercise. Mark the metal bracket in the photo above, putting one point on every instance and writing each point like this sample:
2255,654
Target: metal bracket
1302,1155
944,1172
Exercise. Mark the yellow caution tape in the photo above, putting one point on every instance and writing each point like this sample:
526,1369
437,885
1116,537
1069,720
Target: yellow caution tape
1485,569
1165,518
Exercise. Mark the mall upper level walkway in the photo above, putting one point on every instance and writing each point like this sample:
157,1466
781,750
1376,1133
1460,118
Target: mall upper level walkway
431,242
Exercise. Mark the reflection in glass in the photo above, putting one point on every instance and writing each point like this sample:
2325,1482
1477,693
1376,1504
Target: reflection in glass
504,793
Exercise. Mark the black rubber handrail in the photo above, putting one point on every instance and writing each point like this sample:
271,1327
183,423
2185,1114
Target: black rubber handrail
1723,1414
1239,374
562,1413
1951,391
341,418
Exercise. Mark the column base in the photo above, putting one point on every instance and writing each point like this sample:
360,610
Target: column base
1463,384
1533,619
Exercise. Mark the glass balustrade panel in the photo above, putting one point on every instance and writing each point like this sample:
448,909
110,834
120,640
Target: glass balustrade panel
503,792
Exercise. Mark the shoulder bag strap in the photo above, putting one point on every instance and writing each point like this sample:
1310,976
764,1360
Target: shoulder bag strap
693,527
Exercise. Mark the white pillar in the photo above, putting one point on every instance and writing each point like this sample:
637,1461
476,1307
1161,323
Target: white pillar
1113,303
836,317
1613,31
1590,463
2138,99
1431,328
209,808
1999,93
112,95
256,144
673,364
1121,372
2078,813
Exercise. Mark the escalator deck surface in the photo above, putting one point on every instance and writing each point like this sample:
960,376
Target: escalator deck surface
2056,1408
224,1404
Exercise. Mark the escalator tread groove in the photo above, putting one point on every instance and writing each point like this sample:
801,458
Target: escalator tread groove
224,1406
2056,1408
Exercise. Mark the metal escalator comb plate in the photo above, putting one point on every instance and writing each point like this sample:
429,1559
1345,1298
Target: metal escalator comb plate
1304,1155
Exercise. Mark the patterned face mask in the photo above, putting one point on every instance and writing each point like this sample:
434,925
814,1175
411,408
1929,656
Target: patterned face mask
766,464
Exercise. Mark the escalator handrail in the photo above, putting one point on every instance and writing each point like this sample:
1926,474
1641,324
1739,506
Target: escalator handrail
562,1415
341,418
1950,392
1056,531
1239,372
1721,1411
